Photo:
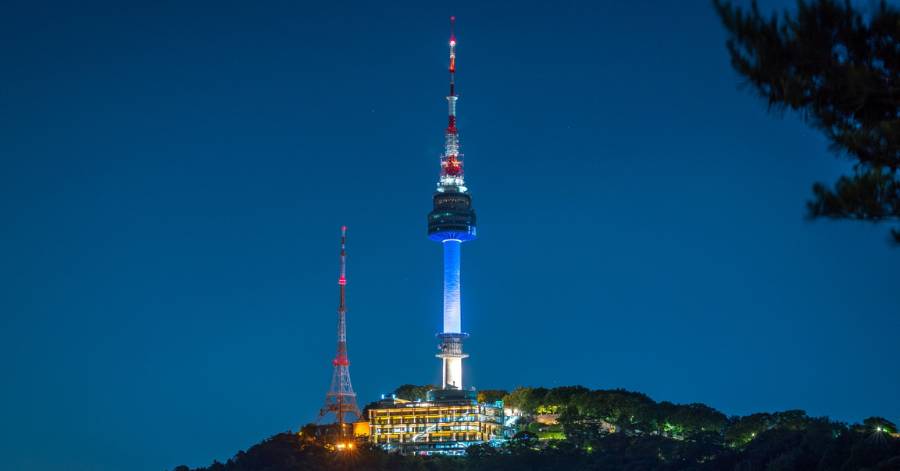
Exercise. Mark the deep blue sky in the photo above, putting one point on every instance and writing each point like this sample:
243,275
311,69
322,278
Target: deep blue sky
174,176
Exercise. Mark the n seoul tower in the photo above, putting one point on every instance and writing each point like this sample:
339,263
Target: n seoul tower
452,222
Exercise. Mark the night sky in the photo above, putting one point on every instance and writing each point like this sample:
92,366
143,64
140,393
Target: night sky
174,176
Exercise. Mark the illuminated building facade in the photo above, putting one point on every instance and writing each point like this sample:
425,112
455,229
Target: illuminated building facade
446,423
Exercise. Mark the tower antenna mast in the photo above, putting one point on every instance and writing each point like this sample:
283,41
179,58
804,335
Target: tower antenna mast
341,400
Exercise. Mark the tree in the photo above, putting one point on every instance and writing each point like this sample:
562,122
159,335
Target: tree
697,418
491,395
794,419
744,429
517,398
840,69
580,429
525,399
523,440
411,392
309,432
630,411
879,425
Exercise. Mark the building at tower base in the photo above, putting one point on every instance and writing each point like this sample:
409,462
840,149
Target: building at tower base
446,423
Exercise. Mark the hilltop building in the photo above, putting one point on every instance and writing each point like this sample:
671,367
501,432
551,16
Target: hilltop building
447,422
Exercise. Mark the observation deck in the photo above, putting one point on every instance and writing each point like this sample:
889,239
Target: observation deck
452,216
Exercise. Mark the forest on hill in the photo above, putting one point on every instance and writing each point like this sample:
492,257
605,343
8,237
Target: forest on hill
612,430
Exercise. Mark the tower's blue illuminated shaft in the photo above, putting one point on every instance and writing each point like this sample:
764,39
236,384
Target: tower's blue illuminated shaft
452,222
451,286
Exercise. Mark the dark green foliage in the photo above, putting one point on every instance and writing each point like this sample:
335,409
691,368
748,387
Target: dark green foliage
580,428
744,429
365,409
411,392
519,398
309,431
491,395
872,194
647,435
879,424
563,394
792,419
840,69
697,418
290,452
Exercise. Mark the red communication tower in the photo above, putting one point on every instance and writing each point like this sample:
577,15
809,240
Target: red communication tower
341,400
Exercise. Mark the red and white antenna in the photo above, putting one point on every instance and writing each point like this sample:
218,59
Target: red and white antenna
340,399
452,161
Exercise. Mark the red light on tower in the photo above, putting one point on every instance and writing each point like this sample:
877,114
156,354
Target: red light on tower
452,166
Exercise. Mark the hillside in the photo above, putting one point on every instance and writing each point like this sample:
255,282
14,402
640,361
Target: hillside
577,428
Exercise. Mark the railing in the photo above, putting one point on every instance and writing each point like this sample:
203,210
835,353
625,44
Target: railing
429,429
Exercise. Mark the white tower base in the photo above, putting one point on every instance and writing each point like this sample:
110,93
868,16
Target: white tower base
452,356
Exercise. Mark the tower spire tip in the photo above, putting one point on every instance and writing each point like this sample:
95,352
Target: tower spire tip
452,35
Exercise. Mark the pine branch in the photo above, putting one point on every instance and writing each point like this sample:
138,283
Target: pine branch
840,69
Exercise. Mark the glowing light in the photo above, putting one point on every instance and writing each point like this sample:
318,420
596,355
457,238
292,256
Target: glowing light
451,286
343,446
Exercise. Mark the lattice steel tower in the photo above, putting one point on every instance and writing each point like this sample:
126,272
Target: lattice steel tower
341,400
452,222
